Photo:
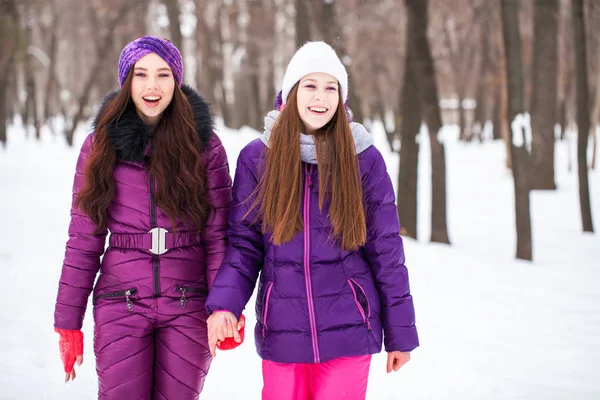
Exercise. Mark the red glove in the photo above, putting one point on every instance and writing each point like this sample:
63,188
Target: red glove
71,346
230,343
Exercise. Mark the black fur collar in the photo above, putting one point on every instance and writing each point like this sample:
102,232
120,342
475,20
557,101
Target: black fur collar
130,136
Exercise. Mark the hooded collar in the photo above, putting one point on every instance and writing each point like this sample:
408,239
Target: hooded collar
308,149
131,137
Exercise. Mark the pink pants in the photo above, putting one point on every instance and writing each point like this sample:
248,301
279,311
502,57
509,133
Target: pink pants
342,378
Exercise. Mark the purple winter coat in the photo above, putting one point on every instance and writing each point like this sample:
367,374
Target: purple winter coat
315,301
140,289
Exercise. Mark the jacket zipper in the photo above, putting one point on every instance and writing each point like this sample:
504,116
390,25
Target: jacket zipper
266,305
153,225
126,293
365,318
184,289
309,295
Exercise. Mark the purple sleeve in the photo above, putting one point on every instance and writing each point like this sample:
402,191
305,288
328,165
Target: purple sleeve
219,195
82,257
385,252
237,276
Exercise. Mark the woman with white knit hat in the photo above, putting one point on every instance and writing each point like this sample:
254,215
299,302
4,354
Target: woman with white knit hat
313,214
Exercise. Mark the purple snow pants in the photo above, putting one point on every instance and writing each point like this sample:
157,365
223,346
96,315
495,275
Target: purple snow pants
150,349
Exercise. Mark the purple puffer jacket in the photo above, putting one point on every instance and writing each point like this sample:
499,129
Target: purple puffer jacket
195,257
315,301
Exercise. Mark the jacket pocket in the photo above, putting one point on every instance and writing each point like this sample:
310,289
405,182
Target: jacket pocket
115,295
266,307
184,289
361,300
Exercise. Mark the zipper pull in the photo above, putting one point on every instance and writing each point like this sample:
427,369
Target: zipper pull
128,301
308,173
183,299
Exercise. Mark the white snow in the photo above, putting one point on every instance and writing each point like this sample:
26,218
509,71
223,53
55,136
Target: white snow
490,327
521,130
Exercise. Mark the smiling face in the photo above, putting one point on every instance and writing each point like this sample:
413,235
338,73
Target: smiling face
152,87
318,98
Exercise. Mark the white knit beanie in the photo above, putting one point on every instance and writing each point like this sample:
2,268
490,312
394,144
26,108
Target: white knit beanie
314,57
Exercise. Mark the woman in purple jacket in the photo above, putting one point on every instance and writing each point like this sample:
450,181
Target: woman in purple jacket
154,175
313,213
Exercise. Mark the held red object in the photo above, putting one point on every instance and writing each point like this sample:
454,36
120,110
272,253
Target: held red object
71,346
230,343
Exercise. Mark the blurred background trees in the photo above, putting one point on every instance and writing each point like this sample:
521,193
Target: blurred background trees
435,62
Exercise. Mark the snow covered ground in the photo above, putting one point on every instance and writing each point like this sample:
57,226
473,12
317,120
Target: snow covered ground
490,327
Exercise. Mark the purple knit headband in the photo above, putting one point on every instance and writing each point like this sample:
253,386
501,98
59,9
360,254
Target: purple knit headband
145,45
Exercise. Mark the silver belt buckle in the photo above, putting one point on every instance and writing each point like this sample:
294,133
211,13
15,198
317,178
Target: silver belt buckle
158,241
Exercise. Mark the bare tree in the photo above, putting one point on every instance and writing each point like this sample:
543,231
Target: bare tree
460,38
497,116
516,107
174,25
544,93
330,31
595,116
256,12
51,92
30,109
427,87
583,113
210,74
409,150
302,23
482,98
207,18
9,28
566,74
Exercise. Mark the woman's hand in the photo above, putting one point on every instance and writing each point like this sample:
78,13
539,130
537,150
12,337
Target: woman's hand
72,375
397,359
221,326
70,344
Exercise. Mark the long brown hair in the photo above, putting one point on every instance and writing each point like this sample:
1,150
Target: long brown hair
175,163
280,188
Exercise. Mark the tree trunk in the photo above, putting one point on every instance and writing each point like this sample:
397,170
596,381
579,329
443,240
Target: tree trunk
595,115
30,107
424,70
562,117
497,128
219,69
516,106
52,83
205,34
9,39
409,150
174,25
544,93
483,86
3,109
31,101
479,117
331,34
461,117
594,148
583,113
302,23
568,97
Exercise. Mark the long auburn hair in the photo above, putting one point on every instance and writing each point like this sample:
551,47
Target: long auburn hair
280,188
175,163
